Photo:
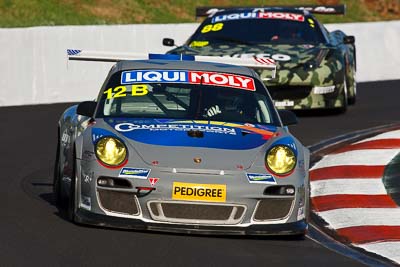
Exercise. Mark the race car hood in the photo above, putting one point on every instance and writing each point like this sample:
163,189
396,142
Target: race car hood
175,143
285,56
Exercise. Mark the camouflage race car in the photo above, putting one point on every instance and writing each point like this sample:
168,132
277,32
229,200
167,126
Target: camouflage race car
315,68
182,146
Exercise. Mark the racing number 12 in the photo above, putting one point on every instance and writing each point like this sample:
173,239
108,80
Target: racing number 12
120,91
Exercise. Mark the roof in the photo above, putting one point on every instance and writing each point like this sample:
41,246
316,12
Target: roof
183,65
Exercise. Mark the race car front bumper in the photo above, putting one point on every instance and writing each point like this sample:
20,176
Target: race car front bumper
306,96
294,228
247,208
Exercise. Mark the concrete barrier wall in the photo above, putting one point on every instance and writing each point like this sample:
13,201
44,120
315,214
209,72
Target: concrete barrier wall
34,67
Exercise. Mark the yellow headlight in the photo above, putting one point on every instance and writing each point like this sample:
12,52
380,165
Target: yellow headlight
281,160
110,151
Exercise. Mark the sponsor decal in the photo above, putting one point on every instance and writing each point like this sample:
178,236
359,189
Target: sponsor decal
127,127
174,133
259,15
277,57
260,178
301,214
65,138
120,91
153,181
97,133
212,27
320,90
86,203
87,178
139,173
193,77
320,9
285,103
198,43
199,192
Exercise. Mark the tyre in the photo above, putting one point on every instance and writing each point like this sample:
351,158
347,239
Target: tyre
307,208
299,237
58,199
353,97
71,204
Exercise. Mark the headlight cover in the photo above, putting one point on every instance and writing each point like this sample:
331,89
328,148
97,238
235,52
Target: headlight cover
281,160
111,151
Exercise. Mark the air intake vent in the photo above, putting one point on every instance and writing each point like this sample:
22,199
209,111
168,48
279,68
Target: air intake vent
196,212
273,209
120,202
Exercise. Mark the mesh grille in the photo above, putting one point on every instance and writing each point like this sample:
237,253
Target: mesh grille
153,208
289,92
273,209
121,202
196,212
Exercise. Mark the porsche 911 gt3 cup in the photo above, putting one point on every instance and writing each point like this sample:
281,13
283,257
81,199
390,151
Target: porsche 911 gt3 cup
182,146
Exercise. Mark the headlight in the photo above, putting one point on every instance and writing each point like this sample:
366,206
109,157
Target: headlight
110,151
280,160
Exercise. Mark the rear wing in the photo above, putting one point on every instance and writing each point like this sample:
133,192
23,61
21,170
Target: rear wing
102,56
208,11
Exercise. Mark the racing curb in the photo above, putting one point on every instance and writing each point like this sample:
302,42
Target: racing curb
317,229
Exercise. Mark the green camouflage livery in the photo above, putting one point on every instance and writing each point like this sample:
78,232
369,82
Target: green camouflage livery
309,75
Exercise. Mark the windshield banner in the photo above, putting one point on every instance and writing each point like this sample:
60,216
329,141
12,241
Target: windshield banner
184,76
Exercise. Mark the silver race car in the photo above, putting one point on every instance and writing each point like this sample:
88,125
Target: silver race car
182,146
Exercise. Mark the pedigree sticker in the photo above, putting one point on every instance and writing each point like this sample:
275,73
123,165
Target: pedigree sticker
193,77
199,192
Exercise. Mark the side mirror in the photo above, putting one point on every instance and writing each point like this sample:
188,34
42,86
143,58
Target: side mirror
168,42
350,39
287,117
86,108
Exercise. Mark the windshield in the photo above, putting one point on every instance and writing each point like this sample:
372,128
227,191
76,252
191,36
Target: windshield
257,28
197,96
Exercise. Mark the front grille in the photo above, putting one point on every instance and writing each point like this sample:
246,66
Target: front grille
289,92
117,201
273,209
198,213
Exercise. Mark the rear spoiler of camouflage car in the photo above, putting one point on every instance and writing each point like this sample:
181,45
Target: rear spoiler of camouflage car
208,11
102,56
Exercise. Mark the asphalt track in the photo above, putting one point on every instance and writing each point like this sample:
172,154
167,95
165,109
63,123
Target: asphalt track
33,233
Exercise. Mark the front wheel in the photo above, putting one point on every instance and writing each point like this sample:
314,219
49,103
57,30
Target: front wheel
71,207
344,96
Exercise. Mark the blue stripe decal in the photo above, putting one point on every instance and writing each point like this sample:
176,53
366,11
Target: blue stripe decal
73,52
176,133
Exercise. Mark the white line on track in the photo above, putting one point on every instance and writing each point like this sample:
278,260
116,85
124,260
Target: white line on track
388,135
349,217
390,250
347,186
366,157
